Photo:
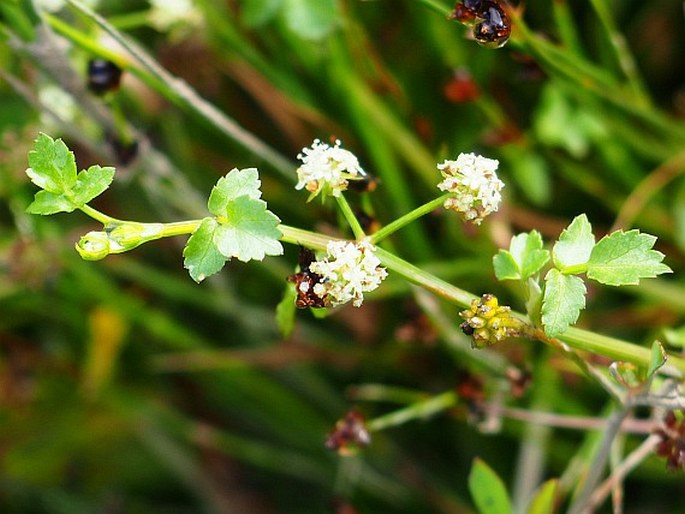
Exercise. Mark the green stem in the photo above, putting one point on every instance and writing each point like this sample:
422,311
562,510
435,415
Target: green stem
419,410
576,338
86,42
300,237
352,220
393,227
179,228
97,215
614,348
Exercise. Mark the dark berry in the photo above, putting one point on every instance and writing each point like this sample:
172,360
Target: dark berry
305,281
494,29
467,11
103,76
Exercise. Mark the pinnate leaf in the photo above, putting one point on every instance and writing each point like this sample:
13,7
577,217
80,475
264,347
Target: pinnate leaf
563,300
487,490
525,257
51,165
623,258
575,244
201,256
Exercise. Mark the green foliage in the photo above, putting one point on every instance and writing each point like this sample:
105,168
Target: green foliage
487,490
242,228
53,169
544,502
623,258
564,298
574,245
620,258
309,19
525,257
147,417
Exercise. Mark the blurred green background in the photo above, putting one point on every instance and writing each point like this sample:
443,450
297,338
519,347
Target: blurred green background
127,388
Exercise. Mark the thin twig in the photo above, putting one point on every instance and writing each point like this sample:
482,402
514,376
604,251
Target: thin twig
596,467
629,463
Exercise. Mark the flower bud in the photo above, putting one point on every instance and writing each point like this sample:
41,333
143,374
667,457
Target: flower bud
93,246
488,323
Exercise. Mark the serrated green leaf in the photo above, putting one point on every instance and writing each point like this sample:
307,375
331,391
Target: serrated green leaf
91,183
623,258
563,300
46,203
657,359
255,13
249,231
234,184
575,244
200,256
487,490
52,166
311,19
544,501
285,311
525,257
506,267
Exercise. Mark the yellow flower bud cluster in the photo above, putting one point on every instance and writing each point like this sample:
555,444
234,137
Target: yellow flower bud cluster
488,323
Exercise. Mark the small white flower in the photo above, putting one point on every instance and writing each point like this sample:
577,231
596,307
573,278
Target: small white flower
349,270
472,179
326,169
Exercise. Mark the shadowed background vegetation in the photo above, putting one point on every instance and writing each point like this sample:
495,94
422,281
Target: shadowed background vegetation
128,388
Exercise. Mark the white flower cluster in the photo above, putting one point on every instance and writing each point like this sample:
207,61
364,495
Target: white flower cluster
473,181
326,169
348,270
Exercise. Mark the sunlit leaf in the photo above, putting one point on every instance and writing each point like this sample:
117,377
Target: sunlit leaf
564,298
623,258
